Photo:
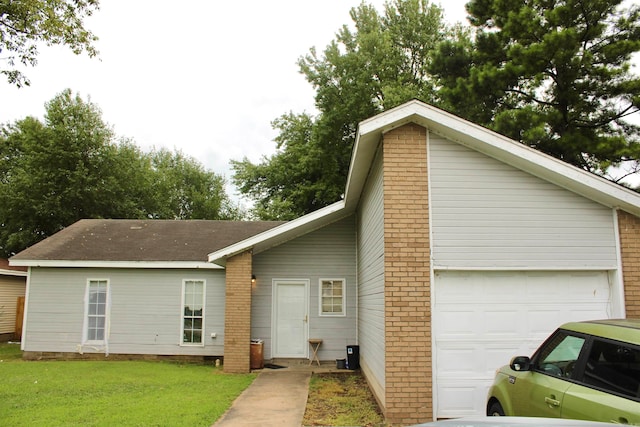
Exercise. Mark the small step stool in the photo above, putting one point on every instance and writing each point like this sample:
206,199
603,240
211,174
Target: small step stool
315,345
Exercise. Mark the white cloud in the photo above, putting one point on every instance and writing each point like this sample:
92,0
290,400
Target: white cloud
206,77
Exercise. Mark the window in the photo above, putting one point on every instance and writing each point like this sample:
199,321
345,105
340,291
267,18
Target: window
332,297
97,310
192,311
559,355
614,367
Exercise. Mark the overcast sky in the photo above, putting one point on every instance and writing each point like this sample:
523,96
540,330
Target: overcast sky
202,76
206,77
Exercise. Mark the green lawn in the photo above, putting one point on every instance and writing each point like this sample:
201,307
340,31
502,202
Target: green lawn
123,393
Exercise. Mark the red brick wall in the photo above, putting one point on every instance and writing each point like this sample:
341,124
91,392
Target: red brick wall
408,375
629,226
237,317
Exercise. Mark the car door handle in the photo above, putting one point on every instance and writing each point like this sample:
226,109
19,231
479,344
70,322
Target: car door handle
551,401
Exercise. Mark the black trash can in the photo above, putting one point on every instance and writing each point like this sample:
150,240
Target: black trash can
353,357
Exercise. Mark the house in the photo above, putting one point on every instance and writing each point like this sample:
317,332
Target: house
13,282
453,249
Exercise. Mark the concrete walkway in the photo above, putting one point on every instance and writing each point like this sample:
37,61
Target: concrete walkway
276,397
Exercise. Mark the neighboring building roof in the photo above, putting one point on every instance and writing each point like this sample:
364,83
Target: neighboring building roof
456,129
10,270
139,243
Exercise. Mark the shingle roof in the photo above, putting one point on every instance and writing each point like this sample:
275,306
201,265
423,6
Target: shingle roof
142,240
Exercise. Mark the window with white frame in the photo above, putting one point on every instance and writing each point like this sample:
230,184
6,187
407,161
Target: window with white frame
193,312
332,297
97,310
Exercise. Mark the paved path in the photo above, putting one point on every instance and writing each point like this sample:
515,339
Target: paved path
276,398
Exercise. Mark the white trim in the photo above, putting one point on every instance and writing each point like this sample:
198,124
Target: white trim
116,264
13,273
204,303
274,310
344,297
432,286
98,345
489,143
616,278
586,267
291,226
23,340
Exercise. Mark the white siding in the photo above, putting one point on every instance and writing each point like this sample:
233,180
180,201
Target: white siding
145,310
11,287
486,214
371,279
325,253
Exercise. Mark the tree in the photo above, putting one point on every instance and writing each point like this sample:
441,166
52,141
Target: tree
379,65
71,167
294,181
553,74
24,24
183,189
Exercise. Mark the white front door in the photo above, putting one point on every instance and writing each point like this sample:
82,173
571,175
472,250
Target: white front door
290,318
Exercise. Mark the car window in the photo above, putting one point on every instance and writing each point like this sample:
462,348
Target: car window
614,367
558,356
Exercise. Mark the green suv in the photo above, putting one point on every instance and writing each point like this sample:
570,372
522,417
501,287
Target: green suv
584,370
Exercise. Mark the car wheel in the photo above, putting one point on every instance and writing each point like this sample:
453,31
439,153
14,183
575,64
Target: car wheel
495,410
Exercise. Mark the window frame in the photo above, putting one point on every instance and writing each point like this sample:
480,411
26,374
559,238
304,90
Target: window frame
183,315
343,312
106,316
543,353
596,340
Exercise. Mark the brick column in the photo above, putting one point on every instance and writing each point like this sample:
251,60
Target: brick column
629,227
237,314
408,375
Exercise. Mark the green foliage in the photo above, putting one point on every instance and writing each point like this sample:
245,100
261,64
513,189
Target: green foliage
379,64
123,393
24,24
183,189
10,353
553,74
302,160
70,167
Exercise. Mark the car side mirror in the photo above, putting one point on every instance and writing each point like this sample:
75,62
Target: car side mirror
520,363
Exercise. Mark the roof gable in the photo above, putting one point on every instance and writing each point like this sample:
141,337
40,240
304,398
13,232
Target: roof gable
499,147
485,141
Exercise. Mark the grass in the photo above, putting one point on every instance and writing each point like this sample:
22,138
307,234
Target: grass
124,393
341,399
136,393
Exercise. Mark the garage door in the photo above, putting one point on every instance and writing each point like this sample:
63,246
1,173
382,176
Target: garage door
482,319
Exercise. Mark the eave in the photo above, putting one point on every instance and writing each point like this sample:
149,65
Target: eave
283,233
487,142
115,264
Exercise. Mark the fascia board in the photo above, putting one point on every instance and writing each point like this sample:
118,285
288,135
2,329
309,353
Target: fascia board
487,142
281,233
115,264
13,273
